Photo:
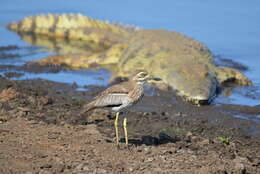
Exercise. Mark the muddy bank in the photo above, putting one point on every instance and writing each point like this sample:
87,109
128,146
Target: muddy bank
42,132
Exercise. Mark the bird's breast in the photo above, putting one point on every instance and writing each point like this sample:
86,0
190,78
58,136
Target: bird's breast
136,93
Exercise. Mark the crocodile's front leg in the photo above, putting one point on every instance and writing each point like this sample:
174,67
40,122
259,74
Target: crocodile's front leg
225,74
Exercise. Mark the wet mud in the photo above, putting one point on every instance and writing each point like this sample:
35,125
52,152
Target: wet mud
41,131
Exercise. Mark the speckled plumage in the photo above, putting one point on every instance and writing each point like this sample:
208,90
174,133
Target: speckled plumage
118,97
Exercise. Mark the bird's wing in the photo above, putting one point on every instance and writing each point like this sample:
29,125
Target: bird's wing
113,96
113,99
122,88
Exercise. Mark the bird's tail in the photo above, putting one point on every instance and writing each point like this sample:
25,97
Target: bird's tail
88,107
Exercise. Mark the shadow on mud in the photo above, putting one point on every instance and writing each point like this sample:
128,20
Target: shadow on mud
152,140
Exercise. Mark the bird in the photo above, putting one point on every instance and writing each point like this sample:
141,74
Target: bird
120,97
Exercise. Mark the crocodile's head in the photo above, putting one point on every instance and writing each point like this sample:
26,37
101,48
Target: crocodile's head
198,87
182,63
193,84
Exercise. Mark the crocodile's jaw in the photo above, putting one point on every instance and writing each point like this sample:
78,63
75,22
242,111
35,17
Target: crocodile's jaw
199,99
200,90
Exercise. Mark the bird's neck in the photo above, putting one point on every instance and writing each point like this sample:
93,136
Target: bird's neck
141,83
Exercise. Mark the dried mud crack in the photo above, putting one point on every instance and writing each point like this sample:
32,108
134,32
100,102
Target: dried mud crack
41,132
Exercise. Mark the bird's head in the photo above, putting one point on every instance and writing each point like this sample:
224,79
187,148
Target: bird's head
142,76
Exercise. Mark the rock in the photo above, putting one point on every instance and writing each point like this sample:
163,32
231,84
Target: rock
204,142
240,164
148,160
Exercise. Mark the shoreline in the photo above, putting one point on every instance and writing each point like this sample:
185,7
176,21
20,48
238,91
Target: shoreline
164,131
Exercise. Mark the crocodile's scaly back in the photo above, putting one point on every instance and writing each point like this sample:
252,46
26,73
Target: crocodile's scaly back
70,27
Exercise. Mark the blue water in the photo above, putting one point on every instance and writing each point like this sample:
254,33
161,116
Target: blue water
229,28
81,78
255,118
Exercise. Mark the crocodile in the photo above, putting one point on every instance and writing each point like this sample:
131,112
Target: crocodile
183,63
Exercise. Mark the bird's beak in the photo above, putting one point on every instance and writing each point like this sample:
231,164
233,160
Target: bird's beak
154,80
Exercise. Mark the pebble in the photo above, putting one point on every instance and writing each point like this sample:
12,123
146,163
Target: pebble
85,168
179,114
204,142
146,149
239,164
148,160
189,134
131,169
240,167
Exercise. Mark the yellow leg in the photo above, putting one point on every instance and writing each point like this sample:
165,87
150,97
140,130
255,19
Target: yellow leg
116,128
125,129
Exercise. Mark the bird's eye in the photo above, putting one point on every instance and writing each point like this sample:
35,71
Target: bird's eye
142,74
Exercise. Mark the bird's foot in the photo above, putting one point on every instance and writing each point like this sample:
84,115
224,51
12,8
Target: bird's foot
117,146
128,147
124,147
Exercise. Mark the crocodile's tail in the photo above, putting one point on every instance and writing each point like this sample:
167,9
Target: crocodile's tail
71,26
226,74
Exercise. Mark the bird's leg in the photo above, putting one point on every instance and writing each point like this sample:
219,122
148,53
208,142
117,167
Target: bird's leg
125,129
116,128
